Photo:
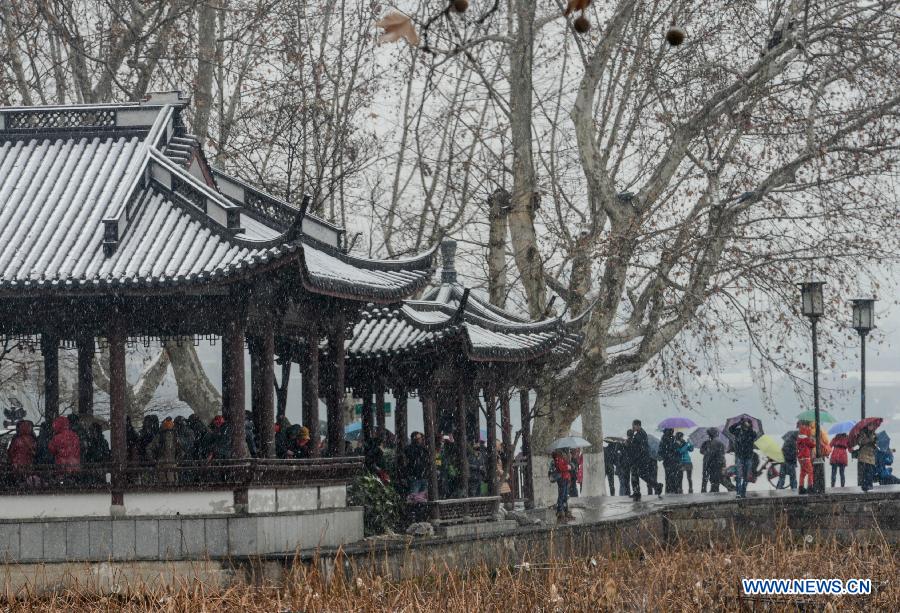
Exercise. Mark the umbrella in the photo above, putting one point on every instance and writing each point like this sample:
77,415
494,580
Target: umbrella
755,423
654,446
353,432
568,442
770,447
676,422
613,439
842,427
700,436
810,415
863,423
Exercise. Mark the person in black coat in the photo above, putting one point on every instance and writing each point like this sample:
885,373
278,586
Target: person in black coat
713,451
668,452
417,464
642,464
743,436
609,467
623,468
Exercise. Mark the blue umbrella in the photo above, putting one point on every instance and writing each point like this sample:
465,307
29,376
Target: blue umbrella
843,427
353,431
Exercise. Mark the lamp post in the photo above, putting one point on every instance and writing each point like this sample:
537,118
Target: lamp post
813,307
863,322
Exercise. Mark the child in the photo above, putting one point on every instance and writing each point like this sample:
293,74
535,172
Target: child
805,445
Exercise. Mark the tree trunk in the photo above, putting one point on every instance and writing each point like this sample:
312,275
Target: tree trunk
206,56
499,203
524,197
194,387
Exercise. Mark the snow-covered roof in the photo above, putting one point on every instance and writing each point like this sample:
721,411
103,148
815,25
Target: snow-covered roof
97,197
452,314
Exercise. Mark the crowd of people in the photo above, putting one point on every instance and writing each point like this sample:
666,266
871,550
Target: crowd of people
631,460
73,442
410,477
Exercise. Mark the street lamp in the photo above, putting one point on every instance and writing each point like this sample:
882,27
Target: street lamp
813,306
863,322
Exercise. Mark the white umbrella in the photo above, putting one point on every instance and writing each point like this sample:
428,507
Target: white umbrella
568,442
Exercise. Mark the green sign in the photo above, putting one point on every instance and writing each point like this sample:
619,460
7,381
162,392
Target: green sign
357,408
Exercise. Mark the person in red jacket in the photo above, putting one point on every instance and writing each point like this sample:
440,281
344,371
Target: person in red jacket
839,457
65,446
562,467
805,445
23,446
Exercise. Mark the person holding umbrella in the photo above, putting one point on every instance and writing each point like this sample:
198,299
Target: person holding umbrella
743,436
838,458
863,436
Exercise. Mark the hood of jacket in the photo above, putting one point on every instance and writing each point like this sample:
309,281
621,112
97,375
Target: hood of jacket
60,424
25,428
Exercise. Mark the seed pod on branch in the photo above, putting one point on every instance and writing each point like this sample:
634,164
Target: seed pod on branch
460,6
675,36
581,25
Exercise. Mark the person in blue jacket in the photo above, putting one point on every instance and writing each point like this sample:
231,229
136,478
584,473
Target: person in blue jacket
685,448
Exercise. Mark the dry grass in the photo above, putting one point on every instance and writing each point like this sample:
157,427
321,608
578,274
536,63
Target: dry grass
678,578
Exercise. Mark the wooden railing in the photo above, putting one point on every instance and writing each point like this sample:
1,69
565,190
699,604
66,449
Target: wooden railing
218,474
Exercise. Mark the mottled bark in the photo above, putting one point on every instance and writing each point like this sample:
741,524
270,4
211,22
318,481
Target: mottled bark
206,57
499,203
524,195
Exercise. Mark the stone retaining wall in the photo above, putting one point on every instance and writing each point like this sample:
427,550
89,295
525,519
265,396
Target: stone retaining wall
171,538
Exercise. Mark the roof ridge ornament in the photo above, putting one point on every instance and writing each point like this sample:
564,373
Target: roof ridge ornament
461,309
448,257
296,229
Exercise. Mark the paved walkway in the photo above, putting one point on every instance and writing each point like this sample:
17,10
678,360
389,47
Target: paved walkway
618,507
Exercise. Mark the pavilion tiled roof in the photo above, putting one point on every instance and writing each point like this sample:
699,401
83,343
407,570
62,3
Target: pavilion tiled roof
450,314
92,199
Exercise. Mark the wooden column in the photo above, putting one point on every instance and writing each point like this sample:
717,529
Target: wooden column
526,448
506,433
367,428
380,415
428,411
490,400
50,351
400,427
233,384
311,391
85,346
262,385
117,416
254,348
336,392
462,446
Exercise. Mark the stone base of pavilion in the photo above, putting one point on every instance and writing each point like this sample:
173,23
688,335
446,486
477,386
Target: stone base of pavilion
183,513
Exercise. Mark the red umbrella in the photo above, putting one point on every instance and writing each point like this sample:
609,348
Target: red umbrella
863,423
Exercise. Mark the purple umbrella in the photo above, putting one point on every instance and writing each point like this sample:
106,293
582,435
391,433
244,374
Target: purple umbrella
755,424
676,422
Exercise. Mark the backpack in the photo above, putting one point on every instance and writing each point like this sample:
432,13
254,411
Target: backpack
553,472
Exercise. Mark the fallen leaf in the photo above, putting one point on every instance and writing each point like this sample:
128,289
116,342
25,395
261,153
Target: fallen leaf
397,26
